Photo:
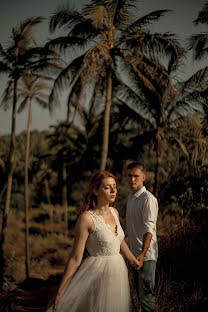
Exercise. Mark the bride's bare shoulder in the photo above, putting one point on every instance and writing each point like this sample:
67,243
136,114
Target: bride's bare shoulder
116,211
85,219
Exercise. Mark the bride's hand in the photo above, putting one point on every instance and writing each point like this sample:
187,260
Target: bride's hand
137,264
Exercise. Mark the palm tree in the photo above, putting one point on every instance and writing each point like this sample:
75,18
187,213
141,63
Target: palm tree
198,43
67,145
2,167
109,39
166,114
20,57
46,178
32,89
14,61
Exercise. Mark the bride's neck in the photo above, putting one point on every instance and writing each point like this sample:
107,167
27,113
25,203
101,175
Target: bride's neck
102,209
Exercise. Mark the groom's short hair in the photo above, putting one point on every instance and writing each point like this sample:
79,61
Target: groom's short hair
137,165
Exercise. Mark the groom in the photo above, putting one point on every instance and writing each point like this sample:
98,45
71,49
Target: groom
141,218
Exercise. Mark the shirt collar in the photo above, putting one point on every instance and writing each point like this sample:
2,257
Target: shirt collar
139,192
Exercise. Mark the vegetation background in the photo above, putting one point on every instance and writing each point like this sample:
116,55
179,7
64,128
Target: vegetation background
125,101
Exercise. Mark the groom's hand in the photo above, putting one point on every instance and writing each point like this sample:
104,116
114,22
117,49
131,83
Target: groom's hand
140,259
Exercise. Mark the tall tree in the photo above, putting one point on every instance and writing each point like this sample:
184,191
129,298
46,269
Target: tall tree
198,43
67,145
46,178
21,56
108,36
14,61
32,89
167,116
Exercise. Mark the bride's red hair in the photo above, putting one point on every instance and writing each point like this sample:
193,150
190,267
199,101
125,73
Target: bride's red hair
90,201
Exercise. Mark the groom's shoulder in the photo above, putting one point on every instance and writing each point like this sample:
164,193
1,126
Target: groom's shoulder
148,195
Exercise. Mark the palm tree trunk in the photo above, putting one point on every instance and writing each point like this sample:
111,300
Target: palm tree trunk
64,194
48,196
106,123
157,168
11,166
3,190
68,113
27,255
47,191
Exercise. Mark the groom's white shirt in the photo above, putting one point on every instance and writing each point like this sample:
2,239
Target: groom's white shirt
141,218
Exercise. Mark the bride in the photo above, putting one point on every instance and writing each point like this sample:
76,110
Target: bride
100,282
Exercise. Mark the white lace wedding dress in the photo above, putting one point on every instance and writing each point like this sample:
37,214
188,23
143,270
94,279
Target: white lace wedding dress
101,283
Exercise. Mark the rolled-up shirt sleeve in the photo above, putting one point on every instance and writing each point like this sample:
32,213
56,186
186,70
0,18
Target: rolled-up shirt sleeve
150,212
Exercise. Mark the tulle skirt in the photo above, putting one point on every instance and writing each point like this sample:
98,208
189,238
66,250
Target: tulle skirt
100,285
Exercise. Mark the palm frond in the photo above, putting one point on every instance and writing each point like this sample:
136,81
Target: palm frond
182,147
64,17
73,22
48,63
199,44
62,43
202,16
24,35
192,132
151,77
135,106
7,95
126,114
135,99
197,81
84,29
156,45
188,104
23,104
28,23
143,21
41,102
107,3
42,95
98,16
41,85
120,13
65,78
3,53
4,67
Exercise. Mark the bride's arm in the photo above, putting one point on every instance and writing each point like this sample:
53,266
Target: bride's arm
125,251
82,230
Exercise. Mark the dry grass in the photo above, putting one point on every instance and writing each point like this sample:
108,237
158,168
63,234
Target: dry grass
49,247
181,284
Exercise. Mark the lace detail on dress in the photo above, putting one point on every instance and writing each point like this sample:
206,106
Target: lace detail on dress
103,241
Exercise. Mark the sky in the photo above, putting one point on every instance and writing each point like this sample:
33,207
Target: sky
12,12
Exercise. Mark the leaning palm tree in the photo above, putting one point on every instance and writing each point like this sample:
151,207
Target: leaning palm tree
21,56
108,37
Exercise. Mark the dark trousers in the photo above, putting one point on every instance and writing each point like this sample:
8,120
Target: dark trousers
145,282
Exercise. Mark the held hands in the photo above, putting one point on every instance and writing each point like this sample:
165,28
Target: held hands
140,259
136,264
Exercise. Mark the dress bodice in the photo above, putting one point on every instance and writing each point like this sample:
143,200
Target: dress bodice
103,241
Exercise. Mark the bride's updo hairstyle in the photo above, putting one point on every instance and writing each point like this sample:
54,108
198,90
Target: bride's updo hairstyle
90,201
